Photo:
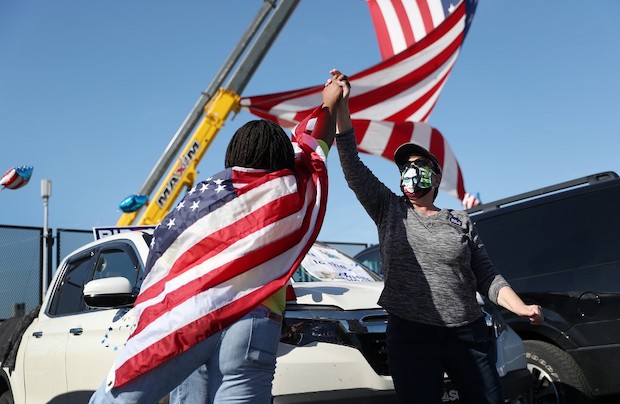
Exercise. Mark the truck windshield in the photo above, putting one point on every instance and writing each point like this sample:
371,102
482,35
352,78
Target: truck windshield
324,263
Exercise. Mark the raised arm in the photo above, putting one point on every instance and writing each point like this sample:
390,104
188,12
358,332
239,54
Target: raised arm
343,122
333,98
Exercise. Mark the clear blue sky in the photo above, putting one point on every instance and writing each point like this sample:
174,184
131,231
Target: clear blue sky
92,92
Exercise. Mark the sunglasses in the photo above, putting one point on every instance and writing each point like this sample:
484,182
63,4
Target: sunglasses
419,163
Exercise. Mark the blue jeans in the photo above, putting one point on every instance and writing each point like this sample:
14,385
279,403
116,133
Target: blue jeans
235,365
418,355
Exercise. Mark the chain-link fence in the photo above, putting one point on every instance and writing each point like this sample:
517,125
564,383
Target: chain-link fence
20,269
68,240
21,263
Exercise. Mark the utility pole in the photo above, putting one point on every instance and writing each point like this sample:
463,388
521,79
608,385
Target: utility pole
46,192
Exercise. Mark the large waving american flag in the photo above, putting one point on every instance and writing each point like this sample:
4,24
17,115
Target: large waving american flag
401,23
234,240
391,101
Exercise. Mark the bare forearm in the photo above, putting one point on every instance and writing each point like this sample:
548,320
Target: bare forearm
344,118
326,124
332,94
508,299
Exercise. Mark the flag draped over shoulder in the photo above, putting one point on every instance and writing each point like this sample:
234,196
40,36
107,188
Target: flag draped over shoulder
391,101
234,240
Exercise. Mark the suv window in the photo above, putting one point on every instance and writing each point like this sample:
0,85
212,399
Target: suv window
115,262
106,261
371,258
561,246
68,298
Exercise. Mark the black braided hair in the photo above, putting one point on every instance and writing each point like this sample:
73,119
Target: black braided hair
260,144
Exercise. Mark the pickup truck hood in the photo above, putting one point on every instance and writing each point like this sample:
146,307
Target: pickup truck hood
347,295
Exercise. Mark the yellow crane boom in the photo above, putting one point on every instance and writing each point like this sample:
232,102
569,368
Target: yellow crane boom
214,111
183,173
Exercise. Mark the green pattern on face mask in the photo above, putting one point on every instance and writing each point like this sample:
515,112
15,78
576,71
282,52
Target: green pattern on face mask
414,177
425,177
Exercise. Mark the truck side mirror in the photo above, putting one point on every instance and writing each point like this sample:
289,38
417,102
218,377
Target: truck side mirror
109,293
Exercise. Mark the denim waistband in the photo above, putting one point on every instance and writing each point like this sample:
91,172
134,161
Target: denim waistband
263,310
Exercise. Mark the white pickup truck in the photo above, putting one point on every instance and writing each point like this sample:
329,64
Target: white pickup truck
332,346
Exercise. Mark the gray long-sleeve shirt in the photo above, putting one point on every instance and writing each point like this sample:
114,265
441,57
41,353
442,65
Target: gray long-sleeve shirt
432,265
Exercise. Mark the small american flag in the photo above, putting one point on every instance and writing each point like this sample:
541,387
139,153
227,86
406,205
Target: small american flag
469,201
391,101
234,240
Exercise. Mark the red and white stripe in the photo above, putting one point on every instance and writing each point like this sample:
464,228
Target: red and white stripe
13,179
403,88
401,23
469,201
388,98
383,138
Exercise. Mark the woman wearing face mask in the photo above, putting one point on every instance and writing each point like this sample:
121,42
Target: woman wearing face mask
433,264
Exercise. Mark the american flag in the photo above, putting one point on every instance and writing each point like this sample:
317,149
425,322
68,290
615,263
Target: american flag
469,201
234,240
391,101
401,23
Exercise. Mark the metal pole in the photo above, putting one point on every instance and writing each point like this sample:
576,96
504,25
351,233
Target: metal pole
260,48
190,122
46,192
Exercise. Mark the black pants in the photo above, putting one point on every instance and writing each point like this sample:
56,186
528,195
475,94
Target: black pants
419,354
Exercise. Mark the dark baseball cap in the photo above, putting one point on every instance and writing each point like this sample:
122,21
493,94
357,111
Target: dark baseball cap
406,150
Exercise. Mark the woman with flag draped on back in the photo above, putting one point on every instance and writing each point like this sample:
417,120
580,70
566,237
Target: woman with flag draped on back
219,262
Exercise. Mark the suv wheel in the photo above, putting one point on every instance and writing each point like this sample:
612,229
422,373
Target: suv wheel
558,379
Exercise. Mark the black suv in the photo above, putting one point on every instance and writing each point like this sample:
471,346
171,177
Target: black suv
559,247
